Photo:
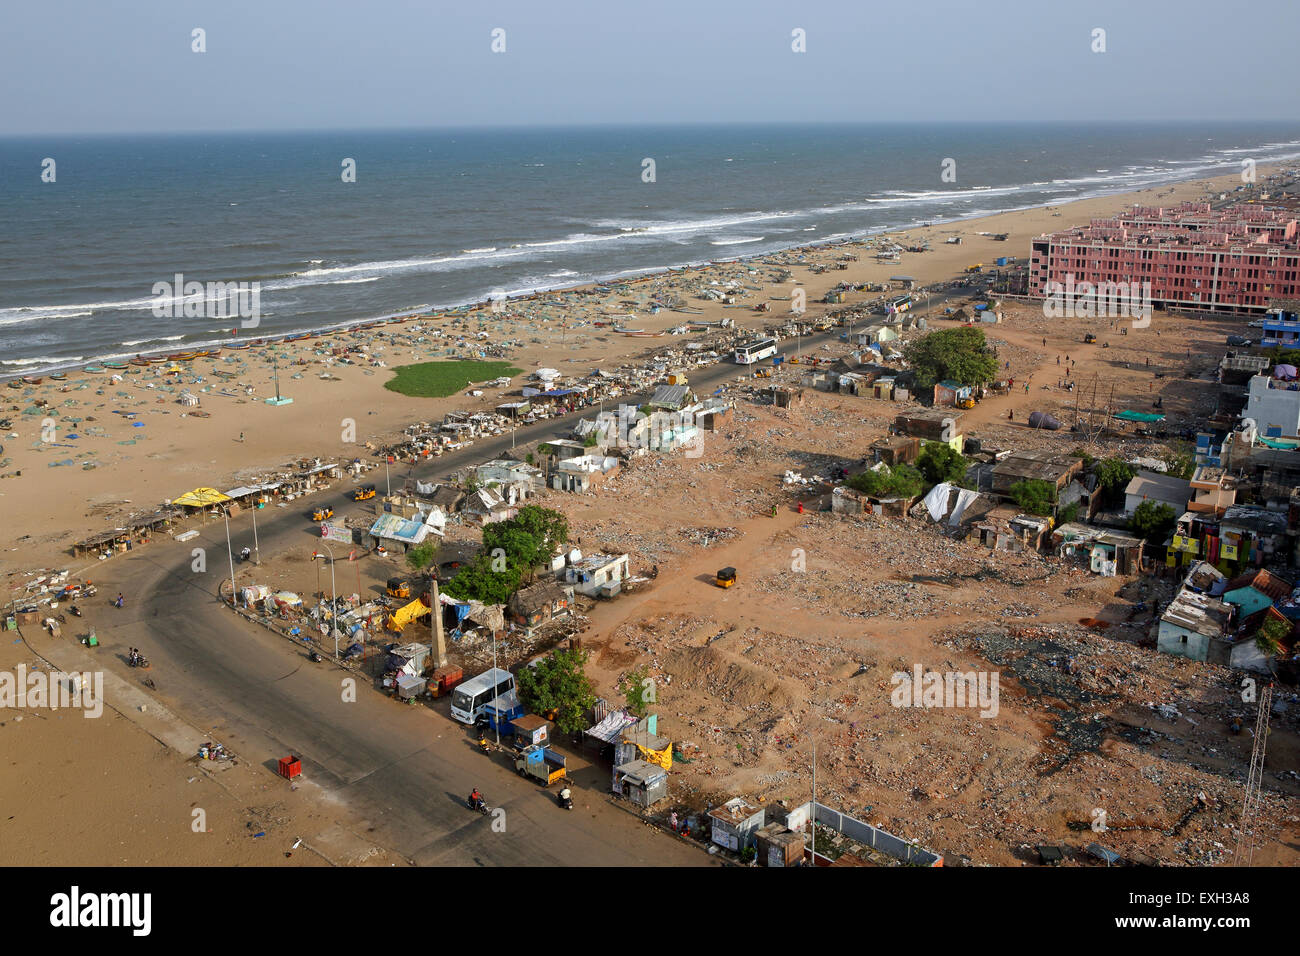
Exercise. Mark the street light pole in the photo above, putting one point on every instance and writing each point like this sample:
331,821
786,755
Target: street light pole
496,724
334,616
230,553
257,551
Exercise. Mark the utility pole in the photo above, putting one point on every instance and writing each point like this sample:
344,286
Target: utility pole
230,553
334,617
813,813
1251,805
257,551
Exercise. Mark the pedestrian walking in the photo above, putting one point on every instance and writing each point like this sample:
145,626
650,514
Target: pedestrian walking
1058,360
672,820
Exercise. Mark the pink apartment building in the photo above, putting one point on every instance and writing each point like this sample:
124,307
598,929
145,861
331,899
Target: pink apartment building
1239,258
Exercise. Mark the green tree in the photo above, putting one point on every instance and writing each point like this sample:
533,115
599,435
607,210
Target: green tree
1270,636
1034,496
480,581
1152,520
959,354
902,481
1113,475
1180,464
638,690
421,557
528,539
559,683
939,462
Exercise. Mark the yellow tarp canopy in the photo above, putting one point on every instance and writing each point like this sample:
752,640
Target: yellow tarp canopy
406,614
663,758
201,498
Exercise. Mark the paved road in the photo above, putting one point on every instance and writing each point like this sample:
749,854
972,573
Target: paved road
405,769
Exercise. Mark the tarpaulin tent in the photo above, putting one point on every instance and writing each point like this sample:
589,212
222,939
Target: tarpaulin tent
1043,420
1128,415
200,498
1287,372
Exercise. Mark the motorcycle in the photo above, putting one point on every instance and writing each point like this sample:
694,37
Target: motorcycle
314,657
564,799
75,611
245,554
480,805
138,660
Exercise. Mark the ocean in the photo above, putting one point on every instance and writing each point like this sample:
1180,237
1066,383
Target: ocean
441,218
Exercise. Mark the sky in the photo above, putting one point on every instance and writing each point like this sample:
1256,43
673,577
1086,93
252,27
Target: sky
89,66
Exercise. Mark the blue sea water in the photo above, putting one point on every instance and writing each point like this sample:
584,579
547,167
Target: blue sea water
439,218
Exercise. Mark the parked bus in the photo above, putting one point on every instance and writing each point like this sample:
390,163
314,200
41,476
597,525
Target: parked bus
900,304
470,697
755,351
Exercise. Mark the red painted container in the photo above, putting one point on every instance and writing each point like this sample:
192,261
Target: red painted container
290,767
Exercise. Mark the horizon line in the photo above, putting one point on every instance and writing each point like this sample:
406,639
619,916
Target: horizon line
645,124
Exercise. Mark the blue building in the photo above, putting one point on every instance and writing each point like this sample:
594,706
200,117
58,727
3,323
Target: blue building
1282,325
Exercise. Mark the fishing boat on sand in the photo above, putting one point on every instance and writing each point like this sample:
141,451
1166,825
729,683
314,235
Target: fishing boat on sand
641,332
31,380
94,369
58,376
140,360
116,366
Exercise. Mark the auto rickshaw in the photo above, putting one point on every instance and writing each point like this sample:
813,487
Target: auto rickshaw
399,588
1089,339
725,578
363,493
321,514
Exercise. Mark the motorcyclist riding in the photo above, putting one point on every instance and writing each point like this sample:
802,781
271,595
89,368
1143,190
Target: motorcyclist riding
566,797
475,799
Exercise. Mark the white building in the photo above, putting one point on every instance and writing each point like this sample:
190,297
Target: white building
597,575
1273,405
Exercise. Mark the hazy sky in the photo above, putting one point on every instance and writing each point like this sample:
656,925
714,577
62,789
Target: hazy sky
71,66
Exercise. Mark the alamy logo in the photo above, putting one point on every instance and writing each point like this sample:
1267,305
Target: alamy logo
1106,300
950,689
56,690
211,300
74,909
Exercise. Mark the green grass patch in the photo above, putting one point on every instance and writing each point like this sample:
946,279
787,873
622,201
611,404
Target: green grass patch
440,379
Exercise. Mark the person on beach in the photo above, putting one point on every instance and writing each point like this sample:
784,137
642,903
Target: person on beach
118,602
672,820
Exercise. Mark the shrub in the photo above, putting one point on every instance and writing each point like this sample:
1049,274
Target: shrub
1034,496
